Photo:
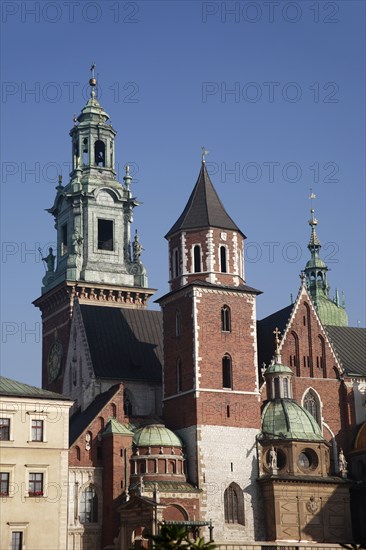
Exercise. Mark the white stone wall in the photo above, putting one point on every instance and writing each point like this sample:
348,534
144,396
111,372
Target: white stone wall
84,536
218,456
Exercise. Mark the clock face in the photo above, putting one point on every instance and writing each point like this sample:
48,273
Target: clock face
54,361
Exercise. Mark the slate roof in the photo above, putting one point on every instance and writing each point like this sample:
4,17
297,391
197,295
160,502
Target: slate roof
203,209
265,337
12,388
349,343
81,420
124,343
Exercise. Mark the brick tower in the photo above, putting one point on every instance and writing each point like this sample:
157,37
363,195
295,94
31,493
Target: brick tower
211,396
95,259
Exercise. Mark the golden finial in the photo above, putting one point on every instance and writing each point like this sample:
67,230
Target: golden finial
277,334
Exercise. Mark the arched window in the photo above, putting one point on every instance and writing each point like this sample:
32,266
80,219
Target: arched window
234,504
276,388
99,153
179,375
77,452
197,258
285,388
223,265
127,405
225,319
312,405
227,381
295,355
85,152
321,355
88,506
114,410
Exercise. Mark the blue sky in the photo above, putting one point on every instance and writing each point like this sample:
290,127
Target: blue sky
274,90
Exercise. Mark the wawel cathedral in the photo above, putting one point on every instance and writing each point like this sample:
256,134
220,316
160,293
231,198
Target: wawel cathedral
199,414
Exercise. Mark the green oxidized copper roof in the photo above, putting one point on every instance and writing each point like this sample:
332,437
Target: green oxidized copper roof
115,427
286,419
12,388
330,313
156,435
278,368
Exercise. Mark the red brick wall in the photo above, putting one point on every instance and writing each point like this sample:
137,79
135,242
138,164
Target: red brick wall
224,407
201,237
318,371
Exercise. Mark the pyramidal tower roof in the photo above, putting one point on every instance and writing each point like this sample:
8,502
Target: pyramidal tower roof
203,209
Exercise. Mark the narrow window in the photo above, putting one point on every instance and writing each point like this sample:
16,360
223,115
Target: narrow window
4,429
223,266
4,484
228,412
17,540
179,376
105,234
177,323
99,153
175,263
197,258
225,319
285,388
35,485
85,152
277,388
88,506
127,404
37,430
232,466
77,452
64,239
114,410
226,372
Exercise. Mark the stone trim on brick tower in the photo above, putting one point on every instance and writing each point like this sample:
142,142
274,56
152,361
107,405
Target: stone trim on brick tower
205,243
210,383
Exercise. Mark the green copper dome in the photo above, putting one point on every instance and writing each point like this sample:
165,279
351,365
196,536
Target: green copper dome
285,419
278,368
330,313
156,435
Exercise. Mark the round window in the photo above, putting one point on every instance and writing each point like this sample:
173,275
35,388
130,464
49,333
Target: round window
307,459
275,458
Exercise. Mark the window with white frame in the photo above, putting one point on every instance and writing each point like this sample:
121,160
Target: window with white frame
4,429
37,430
88,505
35,485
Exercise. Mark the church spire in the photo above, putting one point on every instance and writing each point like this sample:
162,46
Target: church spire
329,311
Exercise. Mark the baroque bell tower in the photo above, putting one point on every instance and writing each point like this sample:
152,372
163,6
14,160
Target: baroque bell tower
96,260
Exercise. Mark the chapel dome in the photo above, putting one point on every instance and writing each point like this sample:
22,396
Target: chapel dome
286,419
156,435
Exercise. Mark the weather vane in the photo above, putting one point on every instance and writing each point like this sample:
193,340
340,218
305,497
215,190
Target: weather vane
204,153
311,197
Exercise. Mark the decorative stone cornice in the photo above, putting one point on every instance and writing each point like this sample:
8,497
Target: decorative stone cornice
93,294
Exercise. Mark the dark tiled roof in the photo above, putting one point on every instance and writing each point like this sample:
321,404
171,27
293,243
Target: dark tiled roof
265,328
12,388
349,343
203,209
81,420
199,282
124,344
